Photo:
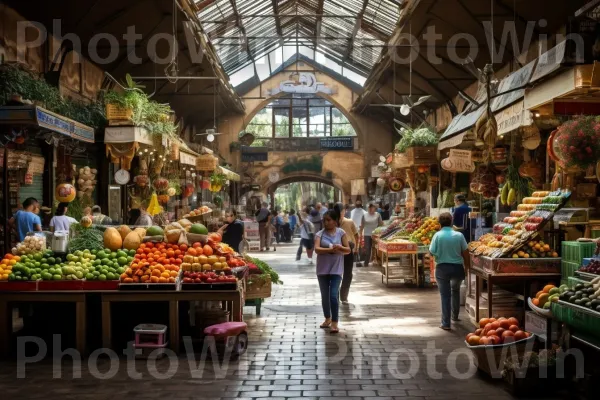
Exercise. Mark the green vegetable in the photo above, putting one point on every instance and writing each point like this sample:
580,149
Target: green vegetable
266,269
90,239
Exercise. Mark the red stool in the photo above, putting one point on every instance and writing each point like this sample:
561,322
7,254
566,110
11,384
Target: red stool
229,336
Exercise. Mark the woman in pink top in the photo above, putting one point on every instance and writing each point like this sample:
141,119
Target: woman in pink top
331,244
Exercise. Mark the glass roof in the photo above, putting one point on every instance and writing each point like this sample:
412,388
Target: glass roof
344,35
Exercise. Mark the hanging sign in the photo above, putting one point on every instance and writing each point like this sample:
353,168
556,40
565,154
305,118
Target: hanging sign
458,161
337,143
206,162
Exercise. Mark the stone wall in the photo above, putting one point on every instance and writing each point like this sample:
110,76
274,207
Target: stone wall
373,137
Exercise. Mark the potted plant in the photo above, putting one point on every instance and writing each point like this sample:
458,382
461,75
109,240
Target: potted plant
128,104
417,147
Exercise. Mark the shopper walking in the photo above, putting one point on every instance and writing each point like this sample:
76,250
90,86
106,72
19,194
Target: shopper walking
293,223
316,219
370,221
307,236
347,225
357,214
451,256
331,244
460,216
262,217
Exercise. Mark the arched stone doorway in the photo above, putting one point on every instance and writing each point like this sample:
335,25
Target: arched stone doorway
304,177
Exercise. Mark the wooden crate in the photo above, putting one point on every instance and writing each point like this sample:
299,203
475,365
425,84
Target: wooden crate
117,115
415,156
258,287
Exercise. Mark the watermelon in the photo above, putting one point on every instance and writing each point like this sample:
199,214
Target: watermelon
154,231
199,229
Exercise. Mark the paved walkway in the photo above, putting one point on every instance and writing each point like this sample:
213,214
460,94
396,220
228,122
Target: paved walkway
380,353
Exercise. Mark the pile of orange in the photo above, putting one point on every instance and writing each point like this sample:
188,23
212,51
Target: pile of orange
494,331
155,263
6,265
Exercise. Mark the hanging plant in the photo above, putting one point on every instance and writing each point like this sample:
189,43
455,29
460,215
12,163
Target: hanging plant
577,142
422,137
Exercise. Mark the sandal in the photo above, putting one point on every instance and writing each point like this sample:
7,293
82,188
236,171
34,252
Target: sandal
334,329
326,324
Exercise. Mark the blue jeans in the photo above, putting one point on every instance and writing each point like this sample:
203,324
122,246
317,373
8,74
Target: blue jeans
449,277
330,291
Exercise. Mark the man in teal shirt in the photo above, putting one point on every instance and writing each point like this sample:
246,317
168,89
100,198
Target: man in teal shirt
451,256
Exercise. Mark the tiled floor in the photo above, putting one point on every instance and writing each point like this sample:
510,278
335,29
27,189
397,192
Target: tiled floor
390,347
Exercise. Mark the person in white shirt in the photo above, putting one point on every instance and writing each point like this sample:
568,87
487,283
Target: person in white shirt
60,221
307,235
357,214
369,223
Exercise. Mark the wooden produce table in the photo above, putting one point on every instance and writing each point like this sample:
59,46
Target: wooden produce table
233,299
408,271
8,298
484,268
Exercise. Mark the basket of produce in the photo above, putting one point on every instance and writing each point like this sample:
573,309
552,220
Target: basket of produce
541,303
495,337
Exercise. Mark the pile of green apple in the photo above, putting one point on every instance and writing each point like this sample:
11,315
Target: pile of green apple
92,265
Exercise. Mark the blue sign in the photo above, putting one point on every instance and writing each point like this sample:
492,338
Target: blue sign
337,143
33,115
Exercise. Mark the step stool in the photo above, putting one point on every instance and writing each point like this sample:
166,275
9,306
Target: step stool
149,337
229,337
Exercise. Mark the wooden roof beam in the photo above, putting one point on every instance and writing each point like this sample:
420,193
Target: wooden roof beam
240,25
357,26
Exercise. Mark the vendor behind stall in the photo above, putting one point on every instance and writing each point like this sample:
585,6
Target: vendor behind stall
460,216
233,231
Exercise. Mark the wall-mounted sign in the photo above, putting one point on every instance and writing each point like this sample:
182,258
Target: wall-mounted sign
337,143
458,161
255,157
301,82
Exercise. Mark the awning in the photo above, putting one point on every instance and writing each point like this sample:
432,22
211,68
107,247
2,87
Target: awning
232,176
44,119
510,91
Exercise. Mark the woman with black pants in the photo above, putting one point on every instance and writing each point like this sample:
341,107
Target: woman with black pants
352,234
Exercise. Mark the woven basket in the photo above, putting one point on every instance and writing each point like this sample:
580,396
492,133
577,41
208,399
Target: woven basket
258,287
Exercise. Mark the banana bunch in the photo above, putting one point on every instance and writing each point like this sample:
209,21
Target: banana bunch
486,129
154,208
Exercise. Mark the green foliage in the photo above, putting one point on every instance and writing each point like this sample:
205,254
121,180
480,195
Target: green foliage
417,138
16,80
147,113
217,179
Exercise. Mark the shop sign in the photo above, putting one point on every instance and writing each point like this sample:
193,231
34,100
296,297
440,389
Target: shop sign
513,118
458,161
127,134
358,187
337,143
186,158
206,163
301,82
255,154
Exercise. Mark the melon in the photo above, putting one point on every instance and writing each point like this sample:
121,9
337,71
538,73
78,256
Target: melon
86,222
124,230
155,231
141,232
112,239
199,229
132,241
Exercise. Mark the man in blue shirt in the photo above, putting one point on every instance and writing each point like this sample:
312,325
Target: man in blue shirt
26,220
460,215
451,257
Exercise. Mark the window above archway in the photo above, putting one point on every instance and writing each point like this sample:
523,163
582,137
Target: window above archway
299,116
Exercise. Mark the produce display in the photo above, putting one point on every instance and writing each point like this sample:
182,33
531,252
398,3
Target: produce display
494,331
198,212
550,294
6,266
92,265
155,263
416,228
425,232
30,245
513,237
259,267
592,268
584,294
208,277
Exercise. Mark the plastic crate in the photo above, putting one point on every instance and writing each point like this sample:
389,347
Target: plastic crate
568,268
577,251
572,281
577,317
